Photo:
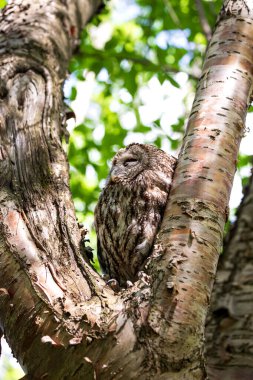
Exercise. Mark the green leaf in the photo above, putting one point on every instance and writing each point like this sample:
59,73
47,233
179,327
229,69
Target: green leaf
244,160
73,93
3,3
142,129
172,81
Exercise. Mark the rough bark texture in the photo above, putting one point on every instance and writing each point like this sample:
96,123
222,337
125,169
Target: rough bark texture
60,319
42,280
192,230
229,330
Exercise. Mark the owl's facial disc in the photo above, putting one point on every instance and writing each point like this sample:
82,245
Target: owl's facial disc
123,167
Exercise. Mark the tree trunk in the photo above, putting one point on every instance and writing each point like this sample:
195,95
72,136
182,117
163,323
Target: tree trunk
57,314
229,329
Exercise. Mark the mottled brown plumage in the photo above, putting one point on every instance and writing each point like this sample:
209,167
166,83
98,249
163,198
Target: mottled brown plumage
130,209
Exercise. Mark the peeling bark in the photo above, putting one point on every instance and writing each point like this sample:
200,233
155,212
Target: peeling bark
57,314
190,239
47,287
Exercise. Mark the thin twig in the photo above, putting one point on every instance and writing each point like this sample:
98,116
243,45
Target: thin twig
150,66
203,20
172,13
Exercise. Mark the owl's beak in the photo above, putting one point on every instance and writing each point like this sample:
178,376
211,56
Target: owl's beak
114,175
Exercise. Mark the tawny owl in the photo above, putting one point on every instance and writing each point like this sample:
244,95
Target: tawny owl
130,209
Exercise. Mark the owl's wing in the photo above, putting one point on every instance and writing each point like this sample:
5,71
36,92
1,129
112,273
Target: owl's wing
101,257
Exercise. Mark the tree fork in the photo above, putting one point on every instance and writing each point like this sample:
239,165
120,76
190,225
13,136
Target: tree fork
56,312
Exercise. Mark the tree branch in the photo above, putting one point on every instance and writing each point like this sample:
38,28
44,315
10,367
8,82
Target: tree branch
203,20
45,282
228,333
148,64
190,239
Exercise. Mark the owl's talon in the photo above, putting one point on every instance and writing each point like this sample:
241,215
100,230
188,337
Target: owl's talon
129,284
105,277
143,277
114,285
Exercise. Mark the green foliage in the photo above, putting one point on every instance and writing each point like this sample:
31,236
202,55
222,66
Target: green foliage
132,48
244,166
10,371
2,3
244,160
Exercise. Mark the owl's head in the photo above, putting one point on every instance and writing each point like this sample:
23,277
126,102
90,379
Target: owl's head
128,163
131,164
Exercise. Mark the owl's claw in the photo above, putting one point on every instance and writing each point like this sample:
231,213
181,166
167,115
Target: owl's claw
114,285
144,278
129,284
105,277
